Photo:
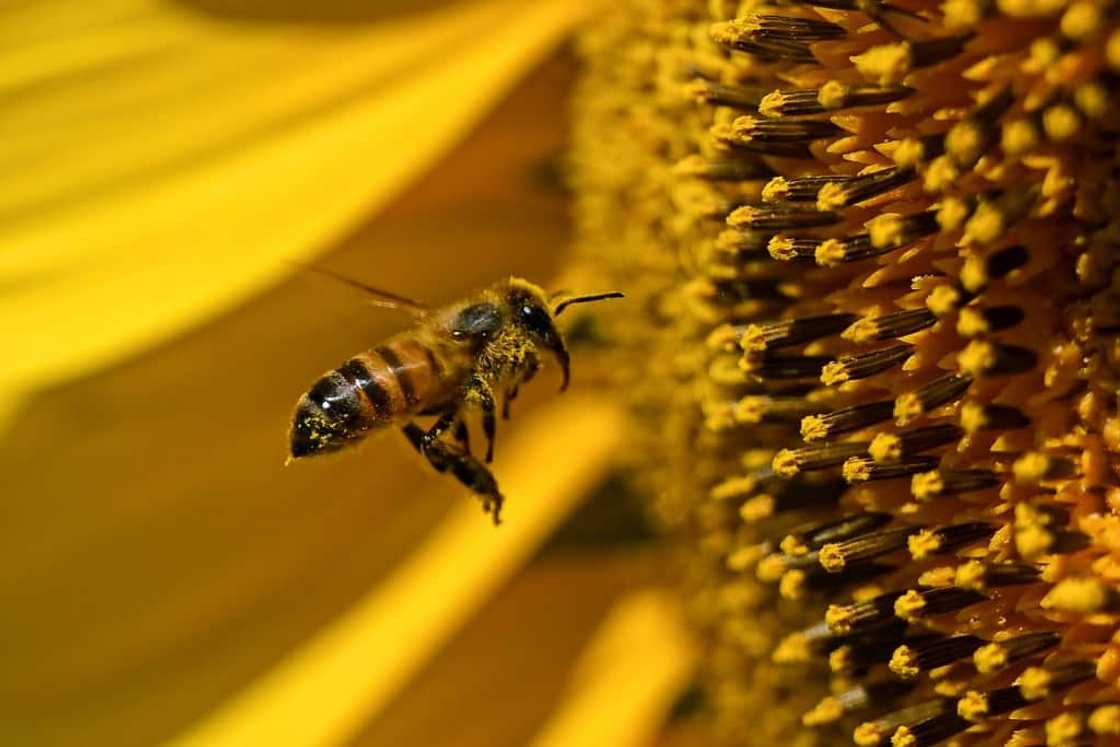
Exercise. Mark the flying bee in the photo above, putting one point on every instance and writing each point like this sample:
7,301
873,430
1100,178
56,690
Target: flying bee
453,360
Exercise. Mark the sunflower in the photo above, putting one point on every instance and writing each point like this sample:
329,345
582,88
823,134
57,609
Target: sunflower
876,251
865,381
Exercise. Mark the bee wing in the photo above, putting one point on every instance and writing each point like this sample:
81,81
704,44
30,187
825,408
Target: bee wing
377,297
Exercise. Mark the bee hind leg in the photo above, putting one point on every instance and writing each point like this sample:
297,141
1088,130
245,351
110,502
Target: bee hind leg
465,468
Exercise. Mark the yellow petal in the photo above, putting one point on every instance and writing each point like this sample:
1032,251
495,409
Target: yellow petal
163,164
639,662
326,690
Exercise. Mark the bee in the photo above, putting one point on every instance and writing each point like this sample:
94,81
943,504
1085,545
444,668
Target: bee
454,360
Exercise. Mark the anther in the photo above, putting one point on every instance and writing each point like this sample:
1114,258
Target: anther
838,530
948,538
1001,654
769,218
978,706
916,604
944,482
760,408
791,462
862,616
1082,594
1037,683
877,732
913,152
979,271
976,321
865,469
889,64
890,447
910,660
863,365
1034,467
721,170
979,576
890,326
722,94
767,336
785,367
973,136
844,420
990,358
760,27
845,193
799,189
836,556
891,230
913,405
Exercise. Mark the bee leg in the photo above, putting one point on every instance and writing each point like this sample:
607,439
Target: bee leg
525,375
448,458
478,393
463,436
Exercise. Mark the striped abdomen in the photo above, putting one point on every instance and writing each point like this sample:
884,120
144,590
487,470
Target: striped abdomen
397,379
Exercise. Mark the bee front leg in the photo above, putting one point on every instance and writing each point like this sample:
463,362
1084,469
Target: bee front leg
477,393
523,376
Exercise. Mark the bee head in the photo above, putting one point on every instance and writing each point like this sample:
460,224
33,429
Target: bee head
530,310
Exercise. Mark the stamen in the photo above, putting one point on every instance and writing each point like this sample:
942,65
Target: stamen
913,152
742,244
722,94
721,170
930,732
860,654
833,252
910,660
836,556
942,482
753,130
973,135
799,189
979,706
997,656
892,230
979,321
977,417
787,249
768,218
776,27
783,334
785,367
988,358
1037,683
916,604
889,64
761,408
841,194
912,405
874,733
1085,595
1034,467
844,420
831,96
890,326
980,576
791,462
862,617
856,367
801,541
979,271
948,538
890,447
865,469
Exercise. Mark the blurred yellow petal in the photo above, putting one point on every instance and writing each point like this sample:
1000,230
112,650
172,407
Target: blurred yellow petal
638,663
347,672
164,163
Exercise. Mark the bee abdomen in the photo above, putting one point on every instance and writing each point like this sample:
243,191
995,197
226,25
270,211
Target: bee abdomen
370,390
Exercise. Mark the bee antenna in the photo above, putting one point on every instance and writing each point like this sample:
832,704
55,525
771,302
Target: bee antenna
585,299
